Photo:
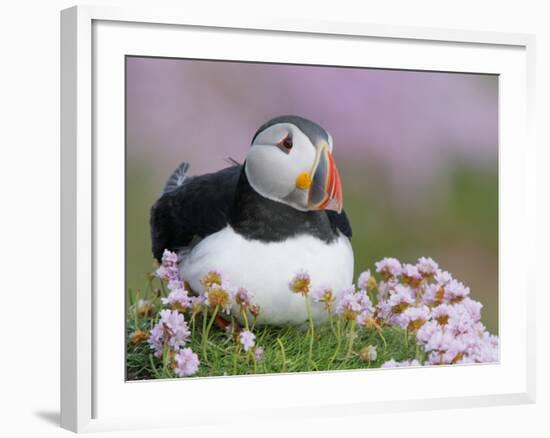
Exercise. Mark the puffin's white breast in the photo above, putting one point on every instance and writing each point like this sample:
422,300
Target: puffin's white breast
265,269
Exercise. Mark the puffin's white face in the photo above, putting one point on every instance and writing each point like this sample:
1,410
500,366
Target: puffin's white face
285,166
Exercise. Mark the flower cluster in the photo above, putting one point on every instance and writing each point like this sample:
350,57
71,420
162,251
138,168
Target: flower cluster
433,310
421,299
437,308
178,298
186,363
217,298
171,333
355,306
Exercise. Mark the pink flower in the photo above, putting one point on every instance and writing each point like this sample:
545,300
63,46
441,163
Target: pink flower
486,349
400,299
426,266
246,338
411,271
473,308
178,297
168,269
171,331
354,305
348,306
363,318
388,267
175,284
197,303
186,363
169,258
300,283
243,298
392,363
385,288
457,291
433,294
442,313
347,301
442,340
219,296
258,353
425,333
442,277
366,281
460,320
414,317
324,295
212,278
166,273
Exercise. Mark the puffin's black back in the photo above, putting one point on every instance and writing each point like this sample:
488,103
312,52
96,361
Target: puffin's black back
199,207
203,205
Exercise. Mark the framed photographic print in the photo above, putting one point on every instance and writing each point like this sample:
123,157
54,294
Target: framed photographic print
259,208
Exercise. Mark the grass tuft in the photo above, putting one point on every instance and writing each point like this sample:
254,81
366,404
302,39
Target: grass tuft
286,350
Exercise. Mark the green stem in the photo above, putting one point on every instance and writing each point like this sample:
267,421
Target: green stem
165,360
282,353
351,336
232,325
154,368
417,353
245,318
193,326
130,297
330,318
164,294
136,317
204,322
216,309
235,355
311,329
338,341
383,338
149,288
379,329
207,331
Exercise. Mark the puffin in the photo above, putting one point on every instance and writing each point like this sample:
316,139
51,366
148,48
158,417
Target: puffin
260,223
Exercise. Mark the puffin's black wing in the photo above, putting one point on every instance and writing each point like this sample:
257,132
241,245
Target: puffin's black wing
191,207
340,221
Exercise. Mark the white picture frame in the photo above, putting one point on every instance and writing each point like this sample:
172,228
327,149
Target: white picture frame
93,39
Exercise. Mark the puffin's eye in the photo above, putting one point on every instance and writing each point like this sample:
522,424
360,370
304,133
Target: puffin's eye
287,142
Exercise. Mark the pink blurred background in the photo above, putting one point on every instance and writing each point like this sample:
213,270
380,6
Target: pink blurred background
417,151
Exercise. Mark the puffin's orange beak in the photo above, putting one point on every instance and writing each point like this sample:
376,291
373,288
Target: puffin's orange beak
326,188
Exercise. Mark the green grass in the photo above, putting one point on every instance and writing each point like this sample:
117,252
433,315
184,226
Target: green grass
286,349
221,350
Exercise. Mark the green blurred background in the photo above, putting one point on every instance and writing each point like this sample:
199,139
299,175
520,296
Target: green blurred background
417,153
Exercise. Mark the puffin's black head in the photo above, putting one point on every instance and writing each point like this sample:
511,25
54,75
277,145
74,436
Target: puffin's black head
291,161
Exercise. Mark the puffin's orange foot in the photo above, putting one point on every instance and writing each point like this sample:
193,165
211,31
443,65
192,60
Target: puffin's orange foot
221,323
